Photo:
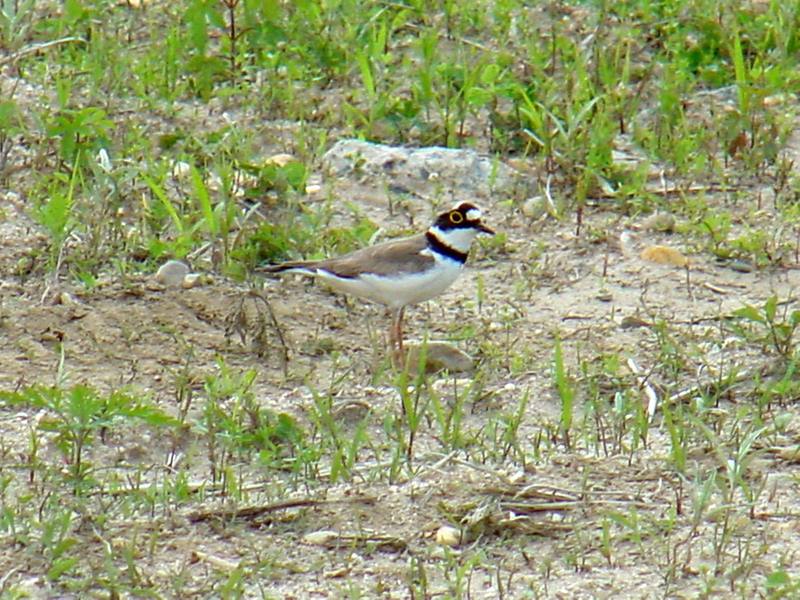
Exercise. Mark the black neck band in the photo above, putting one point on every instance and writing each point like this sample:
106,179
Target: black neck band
438,246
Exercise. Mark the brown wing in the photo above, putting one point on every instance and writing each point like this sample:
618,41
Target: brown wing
394,256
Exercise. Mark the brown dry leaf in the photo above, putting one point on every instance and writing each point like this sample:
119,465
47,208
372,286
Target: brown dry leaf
664,255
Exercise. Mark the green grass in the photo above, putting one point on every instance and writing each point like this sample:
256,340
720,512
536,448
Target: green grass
540,95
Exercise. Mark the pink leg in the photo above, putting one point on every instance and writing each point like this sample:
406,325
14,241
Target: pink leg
396,338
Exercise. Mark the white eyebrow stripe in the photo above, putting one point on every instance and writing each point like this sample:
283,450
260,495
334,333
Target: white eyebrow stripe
473,214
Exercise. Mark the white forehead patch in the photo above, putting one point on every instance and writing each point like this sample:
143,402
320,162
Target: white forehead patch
474,214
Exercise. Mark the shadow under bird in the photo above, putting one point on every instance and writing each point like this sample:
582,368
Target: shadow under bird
401,272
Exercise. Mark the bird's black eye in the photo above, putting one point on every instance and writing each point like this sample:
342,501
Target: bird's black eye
456,217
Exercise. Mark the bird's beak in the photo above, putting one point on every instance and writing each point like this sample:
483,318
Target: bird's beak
484,228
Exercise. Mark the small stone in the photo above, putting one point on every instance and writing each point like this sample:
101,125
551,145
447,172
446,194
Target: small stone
775,100
66,299
440,356
447,535
191,280
662,222
323,537
181,170
604,296
172,273
664,255
741,266
471,173
280,160
214,183
535,207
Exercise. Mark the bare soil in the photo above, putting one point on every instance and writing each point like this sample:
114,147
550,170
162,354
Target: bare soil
599,518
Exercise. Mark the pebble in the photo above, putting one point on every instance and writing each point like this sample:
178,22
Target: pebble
535,207
662,222
440,356
172,273
181,170
448,535
320,538
191,280
280,160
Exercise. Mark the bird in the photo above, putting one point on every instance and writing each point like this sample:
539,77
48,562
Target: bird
400,272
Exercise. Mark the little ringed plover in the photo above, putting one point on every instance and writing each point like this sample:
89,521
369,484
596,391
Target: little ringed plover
401,272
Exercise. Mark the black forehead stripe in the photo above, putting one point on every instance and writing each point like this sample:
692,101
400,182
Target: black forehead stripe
436,244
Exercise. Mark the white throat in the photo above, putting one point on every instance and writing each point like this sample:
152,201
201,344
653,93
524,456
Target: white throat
457,239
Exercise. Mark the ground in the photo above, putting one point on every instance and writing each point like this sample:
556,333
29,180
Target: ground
605,518
629,430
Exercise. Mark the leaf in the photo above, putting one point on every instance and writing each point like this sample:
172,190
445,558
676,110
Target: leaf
296,175
478,96
159,193
490,74
366,73
778,579
61,566
565,391
771,308
54,215
749,313
9,116
201,191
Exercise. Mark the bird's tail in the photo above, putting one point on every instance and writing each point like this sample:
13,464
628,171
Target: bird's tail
298,266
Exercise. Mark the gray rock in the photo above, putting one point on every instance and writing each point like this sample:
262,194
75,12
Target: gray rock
465,172
172,273
440,356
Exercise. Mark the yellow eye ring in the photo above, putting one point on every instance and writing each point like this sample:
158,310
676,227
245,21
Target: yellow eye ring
456,217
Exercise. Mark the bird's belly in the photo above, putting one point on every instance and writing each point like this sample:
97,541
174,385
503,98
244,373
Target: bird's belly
404,289
413,288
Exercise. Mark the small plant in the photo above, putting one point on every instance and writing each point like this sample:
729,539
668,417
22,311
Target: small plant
81,132
780,584
768,326
77,415
56,215
566,393
235,426
15,22
10,125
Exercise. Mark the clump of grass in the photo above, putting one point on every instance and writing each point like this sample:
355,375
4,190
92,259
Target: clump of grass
77,415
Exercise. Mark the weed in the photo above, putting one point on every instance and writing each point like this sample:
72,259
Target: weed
136,131
11,124
566,393
768,327
77,415
15,22
235,426
57,217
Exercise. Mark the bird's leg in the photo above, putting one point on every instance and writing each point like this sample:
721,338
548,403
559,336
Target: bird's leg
396,338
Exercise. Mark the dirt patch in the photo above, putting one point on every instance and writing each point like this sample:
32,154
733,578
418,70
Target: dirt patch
605,518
